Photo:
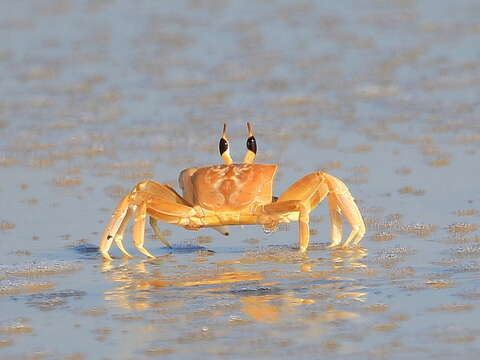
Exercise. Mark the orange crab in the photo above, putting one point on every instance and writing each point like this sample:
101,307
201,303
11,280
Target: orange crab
232,194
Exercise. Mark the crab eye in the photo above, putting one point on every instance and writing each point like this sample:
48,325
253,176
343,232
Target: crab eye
222,146
252,144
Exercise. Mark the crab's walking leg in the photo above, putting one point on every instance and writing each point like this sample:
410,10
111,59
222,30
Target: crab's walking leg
303,227
308,192
166,211
139,228
121,230
158,233
160,190
345,202
113,226
158,209
292,206
165,192
301,197
336,222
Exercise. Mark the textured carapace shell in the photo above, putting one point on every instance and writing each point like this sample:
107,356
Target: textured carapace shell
233,187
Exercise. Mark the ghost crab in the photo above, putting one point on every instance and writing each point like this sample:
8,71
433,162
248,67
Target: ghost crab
232,194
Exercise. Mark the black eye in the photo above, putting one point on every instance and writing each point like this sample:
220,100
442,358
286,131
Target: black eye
223,146
252,144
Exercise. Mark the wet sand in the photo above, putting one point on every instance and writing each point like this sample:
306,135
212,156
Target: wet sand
99,95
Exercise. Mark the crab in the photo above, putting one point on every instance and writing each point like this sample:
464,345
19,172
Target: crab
233,194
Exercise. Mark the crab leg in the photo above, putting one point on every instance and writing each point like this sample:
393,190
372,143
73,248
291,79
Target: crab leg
336,222
167,211
140,213
158,233
293,206
308,192
303,226
121,230
157,208
281,207
165,192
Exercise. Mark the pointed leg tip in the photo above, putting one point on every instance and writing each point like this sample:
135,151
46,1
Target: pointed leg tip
145,252
167,244
333,246
106,256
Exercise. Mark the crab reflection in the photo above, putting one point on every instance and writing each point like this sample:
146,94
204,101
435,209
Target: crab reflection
265,286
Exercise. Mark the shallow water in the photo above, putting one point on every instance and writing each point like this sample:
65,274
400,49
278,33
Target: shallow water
98,95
